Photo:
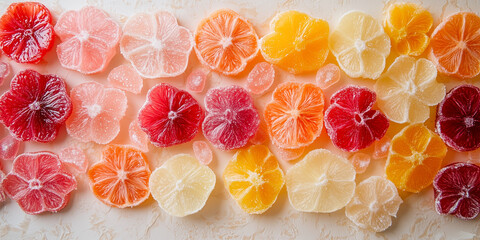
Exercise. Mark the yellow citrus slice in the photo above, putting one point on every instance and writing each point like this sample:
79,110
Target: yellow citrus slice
253,178
298,43
360,45
182,185
321,182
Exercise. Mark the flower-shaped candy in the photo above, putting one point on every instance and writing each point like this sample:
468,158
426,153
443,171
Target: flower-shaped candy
39,183
97,111
408,88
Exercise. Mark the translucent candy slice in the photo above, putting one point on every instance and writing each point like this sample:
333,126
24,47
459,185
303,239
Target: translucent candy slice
360,161
328,75
4,71
74,158
125,77
290,154
138,137
3,195
381,148
261,78
196,80
202,152
9,147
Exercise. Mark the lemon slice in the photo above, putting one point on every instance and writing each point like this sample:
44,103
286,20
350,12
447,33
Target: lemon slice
182,185
322,182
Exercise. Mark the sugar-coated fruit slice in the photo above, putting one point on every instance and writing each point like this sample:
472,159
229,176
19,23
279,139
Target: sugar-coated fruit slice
156,45
458,118
202,152
89,39
137,136
375,202
75,158
196,80
182,185
289,154
231,118
170,116
121,178
457,190
4,71
261,78
351,122
327,76
26,32
39,183
381,148
360,161
9,147
97,111
125,77
35,106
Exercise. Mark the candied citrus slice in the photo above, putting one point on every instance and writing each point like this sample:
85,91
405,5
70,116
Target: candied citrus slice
4,71
298,43
321,182
202,152
290,154
414,158
407,90
455,45
375,202
182,185
137,136
407,24
381,148
121,178
196,80
39,183
360,161
226,42
254,179
26,32
89,39
360,45
261,78
126,78
74,158
295,115
327,76
9,147
156,45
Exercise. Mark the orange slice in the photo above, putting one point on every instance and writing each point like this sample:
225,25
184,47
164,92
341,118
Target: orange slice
226,42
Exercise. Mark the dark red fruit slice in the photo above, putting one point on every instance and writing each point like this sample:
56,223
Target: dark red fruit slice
457,190
26,32
170,116
350,122
231,117
458,118
35,106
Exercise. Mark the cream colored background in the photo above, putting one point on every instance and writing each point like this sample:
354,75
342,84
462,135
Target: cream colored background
87,218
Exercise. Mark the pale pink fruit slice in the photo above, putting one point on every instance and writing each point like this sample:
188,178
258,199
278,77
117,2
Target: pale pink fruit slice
89,39
74,158
381,148
290,154
125,77
138,137
4,71
327,76
156,45
360,161
196,80
202,152
261,78
9,147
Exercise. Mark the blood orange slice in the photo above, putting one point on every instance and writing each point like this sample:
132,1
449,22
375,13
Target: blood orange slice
26,32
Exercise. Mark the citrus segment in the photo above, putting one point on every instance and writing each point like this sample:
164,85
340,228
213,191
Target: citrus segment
261,78
376,200
121,178
415,156
381,148
182,185
254,179
196,80
126,78
290,154
295,115
74,158
327,76
298,42
137,136
202,152
225,42
360,162
360,45
321,182
4,72
9,147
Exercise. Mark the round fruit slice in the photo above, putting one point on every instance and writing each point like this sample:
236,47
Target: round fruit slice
322,182
455,45
360,45
226,42
35,106
457,190
182,185
458,118
26,32
415,156
231,117
351,122
89,39
261,78
376,200
295,115
170,116
408,89
254,179
298,43
39,183
121,178
407,24
125,77
156,45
